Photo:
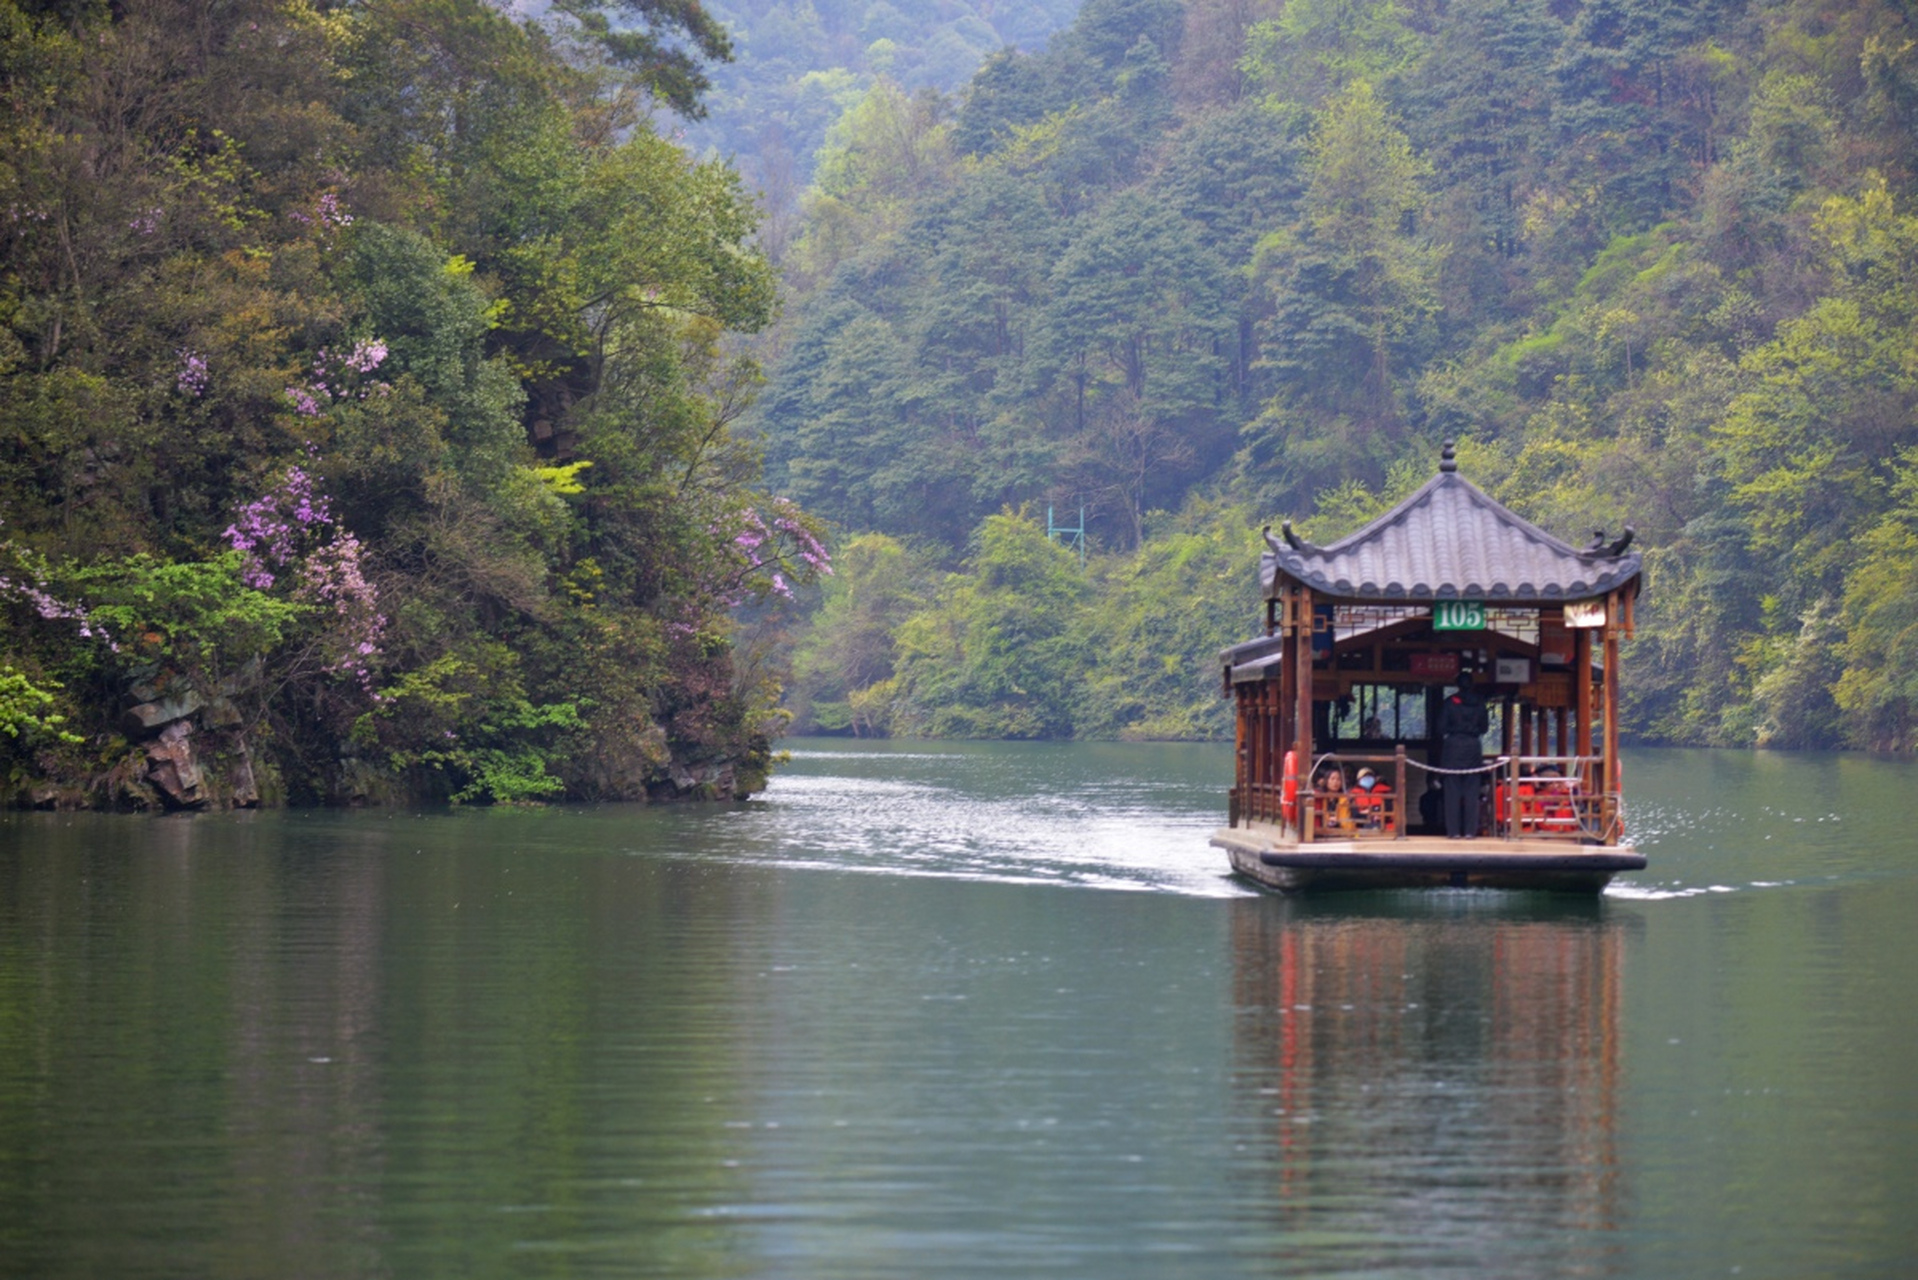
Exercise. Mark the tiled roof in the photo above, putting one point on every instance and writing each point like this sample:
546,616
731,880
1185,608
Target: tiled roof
1449,541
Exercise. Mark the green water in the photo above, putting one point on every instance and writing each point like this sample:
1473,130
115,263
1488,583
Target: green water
956,1010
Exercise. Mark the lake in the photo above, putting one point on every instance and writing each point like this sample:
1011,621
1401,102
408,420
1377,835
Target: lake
952,1010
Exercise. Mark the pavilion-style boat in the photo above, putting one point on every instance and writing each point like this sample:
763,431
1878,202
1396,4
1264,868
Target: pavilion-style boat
1364,641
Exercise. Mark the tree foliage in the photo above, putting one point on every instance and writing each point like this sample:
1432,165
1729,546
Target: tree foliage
1653,261
364,376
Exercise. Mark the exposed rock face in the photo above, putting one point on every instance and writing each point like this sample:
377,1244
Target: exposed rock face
245,788
172,769
715,781
149,716
190,750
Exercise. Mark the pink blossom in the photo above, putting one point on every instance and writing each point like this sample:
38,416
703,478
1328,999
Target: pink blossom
192,378
292,529
336,378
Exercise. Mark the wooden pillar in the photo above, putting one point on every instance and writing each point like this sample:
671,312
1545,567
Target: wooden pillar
1249,747
1241,752
1302,728
1254,748
1611,693
1282,694
1398,781
1274,744
1582,701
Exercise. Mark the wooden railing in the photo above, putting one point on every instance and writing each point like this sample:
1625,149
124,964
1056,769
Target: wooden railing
1320,815
1569,804
1526,804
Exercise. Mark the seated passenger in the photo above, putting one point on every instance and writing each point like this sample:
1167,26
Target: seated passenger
1527,804
1555,805
1369,800
1335,805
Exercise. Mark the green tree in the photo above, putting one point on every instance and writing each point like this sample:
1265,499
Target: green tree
1878,690
1132,335
1810,446
1632,105
843,670
888,148
651,51
994,655
1160,617
1352,289
1316,49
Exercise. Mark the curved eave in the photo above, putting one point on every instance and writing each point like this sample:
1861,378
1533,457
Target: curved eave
1615,574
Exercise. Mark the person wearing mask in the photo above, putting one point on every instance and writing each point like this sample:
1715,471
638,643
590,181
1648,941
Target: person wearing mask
1369,799
1462,723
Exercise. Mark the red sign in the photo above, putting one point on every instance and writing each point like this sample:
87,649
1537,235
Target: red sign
1435,666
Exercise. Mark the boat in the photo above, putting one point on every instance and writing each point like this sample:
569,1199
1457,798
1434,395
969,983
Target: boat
1379,650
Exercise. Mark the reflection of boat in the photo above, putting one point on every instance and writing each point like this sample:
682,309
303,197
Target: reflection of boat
1378,650
1433,1077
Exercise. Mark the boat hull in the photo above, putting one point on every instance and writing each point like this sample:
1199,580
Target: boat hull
1423,863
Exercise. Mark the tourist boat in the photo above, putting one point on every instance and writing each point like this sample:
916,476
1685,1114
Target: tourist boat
1364,642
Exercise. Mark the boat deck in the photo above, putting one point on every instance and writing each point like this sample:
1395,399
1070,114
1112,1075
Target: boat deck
1270,856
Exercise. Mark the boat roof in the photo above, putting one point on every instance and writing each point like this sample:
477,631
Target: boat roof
1450,541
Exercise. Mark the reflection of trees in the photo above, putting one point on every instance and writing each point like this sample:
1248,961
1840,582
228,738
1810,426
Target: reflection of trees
286,1045
1434,1081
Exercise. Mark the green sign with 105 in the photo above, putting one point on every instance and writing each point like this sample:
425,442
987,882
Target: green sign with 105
1458,615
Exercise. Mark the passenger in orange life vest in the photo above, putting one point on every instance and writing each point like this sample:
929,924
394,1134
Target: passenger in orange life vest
1335,806
1554,802
1369,799
1527,804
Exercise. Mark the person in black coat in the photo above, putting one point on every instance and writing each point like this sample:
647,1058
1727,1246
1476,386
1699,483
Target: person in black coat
1462,722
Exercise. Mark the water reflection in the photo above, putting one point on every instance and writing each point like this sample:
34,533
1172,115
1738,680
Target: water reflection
1424,1078
338,1045
787,1039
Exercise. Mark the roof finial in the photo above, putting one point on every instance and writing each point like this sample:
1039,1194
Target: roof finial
1448,457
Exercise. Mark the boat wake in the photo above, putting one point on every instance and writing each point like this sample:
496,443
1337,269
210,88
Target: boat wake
921,829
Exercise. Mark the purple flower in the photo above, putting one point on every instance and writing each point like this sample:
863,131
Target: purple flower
332,214
192,378
366,356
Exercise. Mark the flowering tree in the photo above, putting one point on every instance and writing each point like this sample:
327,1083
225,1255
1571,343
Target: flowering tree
768,551
289,539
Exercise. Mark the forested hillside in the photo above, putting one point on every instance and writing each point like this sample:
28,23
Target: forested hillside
796,67
1205,266
365,408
